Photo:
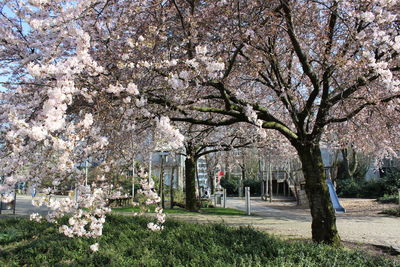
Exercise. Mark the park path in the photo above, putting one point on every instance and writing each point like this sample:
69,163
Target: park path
378,230
24,207
296,223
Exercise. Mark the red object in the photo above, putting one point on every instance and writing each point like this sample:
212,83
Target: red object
219,176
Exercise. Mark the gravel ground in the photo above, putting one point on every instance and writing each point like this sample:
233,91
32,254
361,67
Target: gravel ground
361,224
364,207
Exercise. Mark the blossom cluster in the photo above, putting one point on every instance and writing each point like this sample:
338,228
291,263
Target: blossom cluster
148,196
167,138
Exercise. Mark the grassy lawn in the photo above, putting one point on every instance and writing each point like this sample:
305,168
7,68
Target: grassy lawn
127,242
214,211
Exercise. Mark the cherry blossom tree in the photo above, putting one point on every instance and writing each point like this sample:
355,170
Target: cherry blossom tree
317,72
201,141
311,70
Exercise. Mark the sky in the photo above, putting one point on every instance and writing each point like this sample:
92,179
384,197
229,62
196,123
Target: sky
26,27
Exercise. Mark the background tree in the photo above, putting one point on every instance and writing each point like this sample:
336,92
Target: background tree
201,141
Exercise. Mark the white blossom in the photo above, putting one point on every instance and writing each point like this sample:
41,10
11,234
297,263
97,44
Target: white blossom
94,247
132,89
201,50
35,217
167,137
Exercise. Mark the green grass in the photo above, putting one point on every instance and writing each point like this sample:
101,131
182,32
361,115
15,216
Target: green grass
127,242
177,210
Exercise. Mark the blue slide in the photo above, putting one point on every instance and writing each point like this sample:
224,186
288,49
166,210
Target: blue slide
335,201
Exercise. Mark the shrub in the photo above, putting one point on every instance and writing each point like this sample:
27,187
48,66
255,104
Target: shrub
206,203
255,186
232,185
392,182
347,188
373,188
393,212
389,199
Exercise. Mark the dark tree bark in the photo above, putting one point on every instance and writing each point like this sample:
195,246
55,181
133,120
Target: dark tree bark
190,183
323,215
211,181
242,178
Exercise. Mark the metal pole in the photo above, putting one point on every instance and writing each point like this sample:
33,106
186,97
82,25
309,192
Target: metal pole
248,205
224,198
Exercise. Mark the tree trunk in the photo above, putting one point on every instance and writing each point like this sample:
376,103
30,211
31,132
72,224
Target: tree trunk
242,178
270,181
350,167
346,164
323,215
190,183
198,183
161,189
171,189
210,174
211,181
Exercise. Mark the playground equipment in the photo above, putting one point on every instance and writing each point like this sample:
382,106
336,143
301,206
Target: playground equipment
334,198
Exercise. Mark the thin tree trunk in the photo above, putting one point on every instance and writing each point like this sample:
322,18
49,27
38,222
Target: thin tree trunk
211,177
346,164
353,169
210,174
227,170
198,182
323,215
292,178
171,190
242,178
161,189
270,181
